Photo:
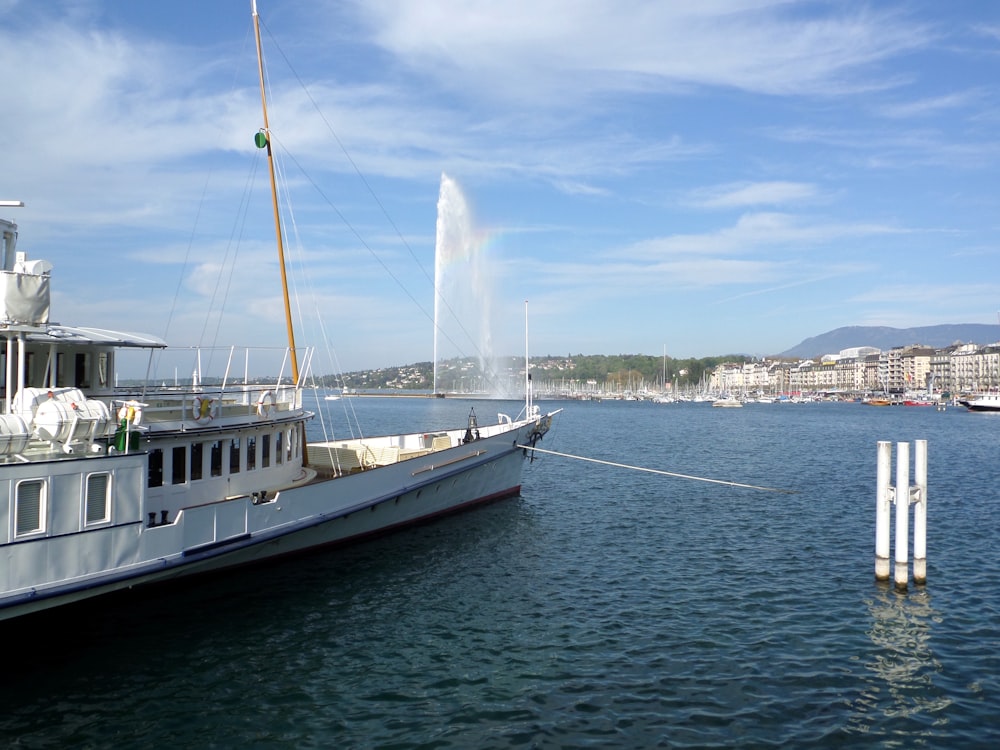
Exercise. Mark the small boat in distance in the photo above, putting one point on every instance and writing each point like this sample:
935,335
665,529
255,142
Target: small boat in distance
106,488
728,401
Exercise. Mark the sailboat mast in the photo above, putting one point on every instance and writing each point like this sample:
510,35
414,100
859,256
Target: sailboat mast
527,366
274,200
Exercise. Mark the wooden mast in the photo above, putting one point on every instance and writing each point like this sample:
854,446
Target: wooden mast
274,199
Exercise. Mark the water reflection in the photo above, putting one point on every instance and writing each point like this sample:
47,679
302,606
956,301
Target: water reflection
901,697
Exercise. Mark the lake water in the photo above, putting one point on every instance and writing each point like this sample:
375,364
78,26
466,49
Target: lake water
603,608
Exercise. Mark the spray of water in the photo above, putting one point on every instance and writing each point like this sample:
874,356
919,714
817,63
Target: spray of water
463,296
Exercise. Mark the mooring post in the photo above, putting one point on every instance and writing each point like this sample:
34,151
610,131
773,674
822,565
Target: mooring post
901,574
882,503
920,512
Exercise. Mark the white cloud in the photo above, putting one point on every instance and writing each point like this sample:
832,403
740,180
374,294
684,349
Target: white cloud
752,194
532,49
929,105
755,231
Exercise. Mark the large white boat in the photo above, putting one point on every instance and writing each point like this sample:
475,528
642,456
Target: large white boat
982,402
105,487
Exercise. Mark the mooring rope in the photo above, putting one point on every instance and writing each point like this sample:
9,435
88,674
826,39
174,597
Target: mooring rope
661,472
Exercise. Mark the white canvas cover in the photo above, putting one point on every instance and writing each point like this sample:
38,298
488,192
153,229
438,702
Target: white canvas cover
24,298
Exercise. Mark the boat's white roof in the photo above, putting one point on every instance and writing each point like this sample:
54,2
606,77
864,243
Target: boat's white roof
59,334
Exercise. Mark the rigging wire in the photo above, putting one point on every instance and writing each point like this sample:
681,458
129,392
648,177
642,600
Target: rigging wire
292,226
197,219
491,376
661,472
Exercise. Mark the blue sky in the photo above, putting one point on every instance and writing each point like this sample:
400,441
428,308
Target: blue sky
711,177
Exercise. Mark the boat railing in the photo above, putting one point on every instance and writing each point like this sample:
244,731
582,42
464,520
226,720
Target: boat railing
208,404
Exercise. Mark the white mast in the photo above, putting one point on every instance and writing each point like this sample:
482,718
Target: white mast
527,368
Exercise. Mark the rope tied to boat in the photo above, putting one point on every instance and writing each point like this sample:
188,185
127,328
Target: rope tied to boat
661,472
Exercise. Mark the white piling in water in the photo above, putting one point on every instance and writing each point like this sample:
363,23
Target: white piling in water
882,503
900,571
903,495
920,512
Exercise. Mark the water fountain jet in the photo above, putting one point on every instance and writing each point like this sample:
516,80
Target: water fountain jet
463,294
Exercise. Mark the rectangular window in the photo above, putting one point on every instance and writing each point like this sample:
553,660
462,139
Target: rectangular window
97,503
103,367
196,459
217,458
60,370
234,456
251,453
30,511
265,451
29,370
178,469
156,468
290,445
278,442
81,371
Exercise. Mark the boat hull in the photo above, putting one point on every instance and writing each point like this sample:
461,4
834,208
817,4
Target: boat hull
314,514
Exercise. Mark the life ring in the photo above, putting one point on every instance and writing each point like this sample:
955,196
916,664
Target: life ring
203,409
265,403
131,413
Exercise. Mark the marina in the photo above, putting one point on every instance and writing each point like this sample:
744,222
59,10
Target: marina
603,607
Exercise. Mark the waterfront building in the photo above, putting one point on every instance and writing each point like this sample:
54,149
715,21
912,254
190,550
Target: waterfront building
962,368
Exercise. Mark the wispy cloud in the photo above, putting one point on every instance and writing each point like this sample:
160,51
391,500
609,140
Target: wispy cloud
756,231
529,49
751,194
930,105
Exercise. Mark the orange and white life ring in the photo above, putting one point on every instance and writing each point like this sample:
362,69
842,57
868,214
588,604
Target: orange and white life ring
203,410
264,404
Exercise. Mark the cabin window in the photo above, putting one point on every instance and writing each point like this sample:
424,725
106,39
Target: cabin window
234,456
265,451
155,478
29,371
102,370
98,500
290,445
197,451
278,442
30,511
61,381
81,370
217,458
251,453
178,469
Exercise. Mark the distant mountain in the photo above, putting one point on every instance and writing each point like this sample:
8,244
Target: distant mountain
885,338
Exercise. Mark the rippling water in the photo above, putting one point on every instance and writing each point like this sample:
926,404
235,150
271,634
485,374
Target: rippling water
604,608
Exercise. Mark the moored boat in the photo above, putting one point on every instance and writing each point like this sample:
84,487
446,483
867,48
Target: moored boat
982,402
728,402
105,487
